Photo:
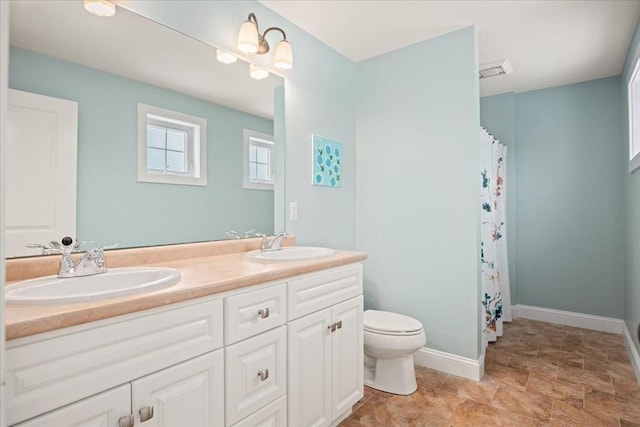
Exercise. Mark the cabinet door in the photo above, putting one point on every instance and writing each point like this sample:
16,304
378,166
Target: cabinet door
347,367
189,394
309,356
101,410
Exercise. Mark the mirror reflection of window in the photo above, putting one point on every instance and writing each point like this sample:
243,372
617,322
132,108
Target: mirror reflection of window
258,161
171,147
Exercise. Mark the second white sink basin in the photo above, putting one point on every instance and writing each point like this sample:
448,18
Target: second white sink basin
115,282
291,253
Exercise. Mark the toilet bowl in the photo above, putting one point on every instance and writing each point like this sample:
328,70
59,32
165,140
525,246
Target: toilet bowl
390,339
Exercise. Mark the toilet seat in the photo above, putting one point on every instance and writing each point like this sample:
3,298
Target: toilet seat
387,323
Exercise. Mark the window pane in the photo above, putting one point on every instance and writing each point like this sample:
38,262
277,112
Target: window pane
263,172
155,159
176,140
252,172
252,153
176,162
263,155
155,136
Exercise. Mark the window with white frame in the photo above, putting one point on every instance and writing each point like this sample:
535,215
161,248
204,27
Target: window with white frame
171,147
259,157
634,118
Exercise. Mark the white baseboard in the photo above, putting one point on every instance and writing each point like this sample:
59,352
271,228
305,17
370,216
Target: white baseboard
569,318
450,363
633,352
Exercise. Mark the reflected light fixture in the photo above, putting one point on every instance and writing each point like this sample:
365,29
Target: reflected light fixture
250,41
102,8
225,57
257,73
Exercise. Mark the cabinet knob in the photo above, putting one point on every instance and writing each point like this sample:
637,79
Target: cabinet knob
146,413
339,324
264,312
332,327
126,421
264,374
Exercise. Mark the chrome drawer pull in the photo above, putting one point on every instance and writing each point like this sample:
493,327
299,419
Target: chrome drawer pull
146,413
339,324
264,374
126,421
264,312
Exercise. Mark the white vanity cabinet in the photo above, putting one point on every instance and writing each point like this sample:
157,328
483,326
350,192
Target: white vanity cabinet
286,353
188,394
325,346
147,349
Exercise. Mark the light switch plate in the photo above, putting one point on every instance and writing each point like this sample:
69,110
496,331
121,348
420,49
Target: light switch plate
293,211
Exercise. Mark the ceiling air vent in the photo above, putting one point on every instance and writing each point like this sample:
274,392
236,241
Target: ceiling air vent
495,68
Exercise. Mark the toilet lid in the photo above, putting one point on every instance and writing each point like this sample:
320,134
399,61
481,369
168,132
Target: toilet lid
384,321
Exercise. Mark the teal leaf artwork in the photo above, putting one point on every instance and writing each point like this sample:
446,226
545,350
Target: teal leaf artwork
326,162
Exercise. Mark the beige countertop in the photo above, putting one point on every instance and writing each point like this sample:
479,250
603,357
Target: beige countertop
201,276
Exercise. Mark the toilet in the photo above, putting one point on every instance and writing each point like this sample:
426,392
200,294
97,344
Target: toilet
390,339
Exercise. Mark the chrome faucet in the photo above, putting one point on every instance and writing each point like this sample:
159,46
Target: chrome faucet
92,262
274,243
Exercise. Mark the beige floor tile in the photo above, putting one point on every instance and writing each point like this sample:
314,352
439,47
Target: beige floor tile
530,405
480,391
599,402
567,415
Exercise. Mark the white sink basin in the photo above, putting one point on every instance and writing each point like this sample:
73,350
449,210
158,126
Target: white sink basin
115,282
292,253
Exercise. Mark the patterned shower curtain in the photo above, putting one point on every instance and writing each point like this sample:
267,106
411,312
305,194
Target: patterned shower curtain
493,245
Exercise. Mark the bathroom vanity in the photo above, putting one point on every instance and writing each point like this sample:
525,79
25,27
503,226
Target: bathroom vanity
235,343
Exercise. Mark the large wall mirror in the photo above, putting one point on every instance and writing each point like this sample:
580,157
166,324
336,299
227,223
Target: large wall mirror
108,66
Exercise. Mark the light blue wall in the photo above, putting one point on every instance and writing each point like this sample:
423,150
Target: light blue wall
569,197
418,186
631,207
498,117
112,206
319,99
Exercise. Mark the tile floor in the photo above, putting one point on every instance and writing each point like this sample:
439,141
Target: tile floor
537,374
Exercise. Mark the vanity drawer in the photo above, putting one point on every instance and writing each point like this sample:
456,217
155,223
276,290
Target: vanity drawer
253,312
255,373
272,415
316,291
60,369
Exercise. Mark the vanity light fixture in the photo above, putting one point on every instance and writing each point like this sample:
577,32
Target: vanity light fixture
257,73
225,57
250,41
102,8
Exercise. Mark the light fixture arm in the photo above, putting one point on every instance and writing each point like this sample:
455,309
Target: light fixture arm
284,36
263,45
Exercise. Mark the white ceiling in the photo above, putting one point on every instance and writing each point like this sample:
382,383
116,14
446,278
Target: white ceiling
137,48
549,43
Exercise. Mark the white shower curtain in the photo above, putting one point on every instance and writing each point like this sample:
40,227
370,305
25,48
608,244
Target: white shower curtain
496,298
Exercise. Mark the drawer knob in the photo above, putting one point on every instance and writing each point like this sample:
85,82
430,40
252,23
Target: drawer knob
264,312
332,327
264,374
126,421
146,413
339,324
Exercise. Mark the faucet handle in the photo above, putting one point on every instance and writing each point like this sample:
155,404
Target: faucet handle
232,234
104,247
49,249
80,243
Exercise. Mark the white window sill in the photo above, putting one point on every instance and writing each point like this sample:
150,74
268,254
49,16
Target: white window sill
257,186
171,179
